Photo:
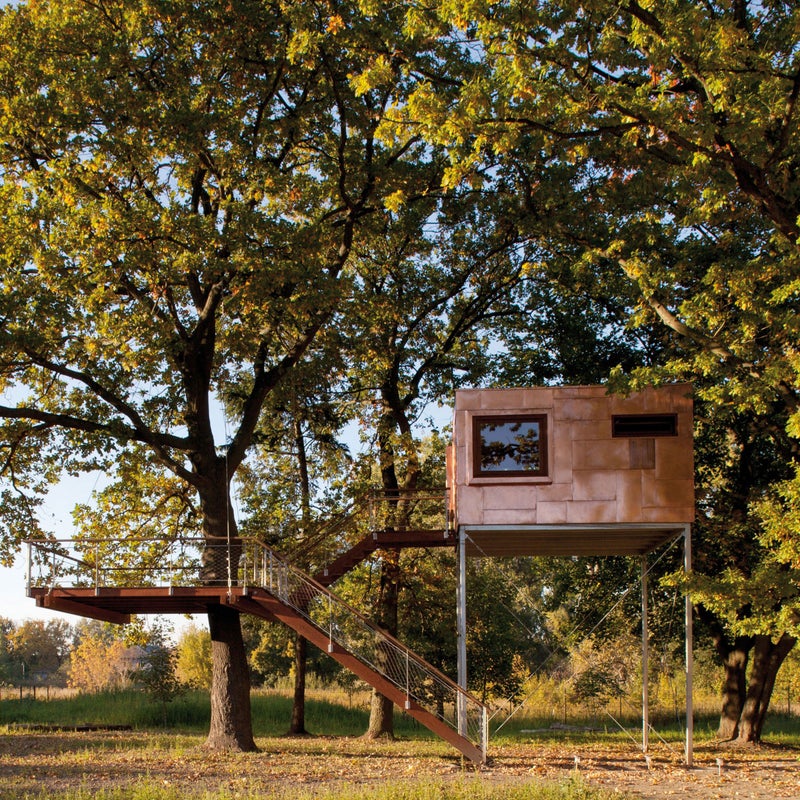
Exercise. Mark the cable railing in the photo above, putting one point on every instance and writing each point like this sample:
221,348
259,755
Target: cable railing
248,563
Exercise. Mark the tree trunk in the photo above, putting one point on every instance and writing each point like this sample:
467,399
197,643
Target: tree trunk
393,418
734,656
734,687
231,723
767,660
297,726
381,716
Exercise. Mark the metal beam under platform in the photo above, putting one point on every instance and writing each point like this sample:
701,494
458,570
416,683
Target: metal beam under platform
118,604
596,539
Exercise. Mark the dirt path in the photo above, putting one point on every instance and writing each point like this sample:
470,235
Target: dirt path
763,774
57,762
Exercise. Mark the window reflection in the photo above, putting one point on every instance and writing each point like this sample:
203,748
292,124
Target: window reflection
510,445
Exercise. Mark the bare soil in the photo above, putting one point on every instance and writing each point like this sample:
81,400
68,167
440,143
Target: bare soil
52,763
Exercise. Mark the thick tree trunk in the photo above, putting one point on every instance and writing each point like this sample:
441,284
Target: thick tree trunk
297,726
734,687
734,655
767,660
231,723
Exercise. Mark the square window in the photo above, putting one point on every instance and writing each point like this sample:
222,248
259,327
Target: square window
510,446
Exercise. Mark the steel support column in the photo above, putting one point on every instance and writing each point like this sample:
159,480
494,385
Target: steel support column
645,663
461,622
687,563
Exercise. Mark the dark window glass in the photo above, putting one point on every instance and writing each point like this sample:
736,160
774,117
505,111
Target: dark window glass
515,445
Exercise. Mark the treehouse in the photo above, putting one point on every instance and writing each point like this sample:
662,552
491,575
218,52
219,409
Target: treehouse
571,470
562,471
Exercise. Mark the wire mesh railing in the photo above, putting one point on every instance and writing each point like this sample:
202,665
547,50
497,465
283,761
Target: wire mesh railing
97,563
344,626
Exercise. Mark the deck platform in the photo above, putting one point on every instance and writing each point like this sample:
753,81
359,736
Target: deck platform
119,604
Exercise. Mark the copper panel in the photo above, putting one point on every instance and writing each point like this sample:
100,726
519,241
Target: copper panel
610,454
642,453
592,511
551,513
594,485
575,408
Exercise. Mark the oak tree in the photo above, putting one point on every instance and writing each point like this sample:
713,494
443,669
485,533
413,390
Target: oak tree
182,184
661,145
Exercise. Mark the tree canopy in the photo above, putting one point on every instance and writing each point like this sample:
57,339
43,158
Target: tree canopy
674,129
182,186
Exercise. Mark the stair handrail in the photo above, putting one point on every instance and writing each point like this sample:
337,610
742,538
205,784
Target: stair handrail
346,627
259,565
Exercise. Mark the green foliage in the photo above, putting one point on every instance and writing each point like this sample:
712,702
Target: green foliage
778,512
232,205
655,148
182,189
193,663
603,671
35,652
98,665
499,640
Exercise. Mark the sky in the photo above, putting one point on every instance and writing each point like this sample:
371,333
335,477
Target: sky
14,603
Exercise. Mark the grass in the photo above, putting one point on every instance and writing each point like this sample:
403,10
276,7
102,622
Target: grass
153,763
475,789
329,715
191,713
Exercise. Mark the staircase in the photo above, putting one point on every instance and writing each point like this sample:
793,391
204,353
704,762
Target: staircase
279,591
264,584
382,540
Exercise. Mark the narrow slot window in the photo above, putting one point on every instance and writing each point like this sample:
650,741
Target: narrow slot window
510,446
644,425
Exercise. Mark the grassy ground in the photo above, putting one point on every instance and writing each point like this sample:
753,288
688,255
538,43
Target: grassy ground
149,762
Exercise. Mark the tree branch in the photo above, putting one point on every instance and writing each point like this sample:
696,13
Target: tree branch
140,430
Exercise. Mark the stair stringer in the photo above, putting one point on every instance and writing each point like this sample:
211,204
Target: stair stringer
283,592
262,604
382,540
